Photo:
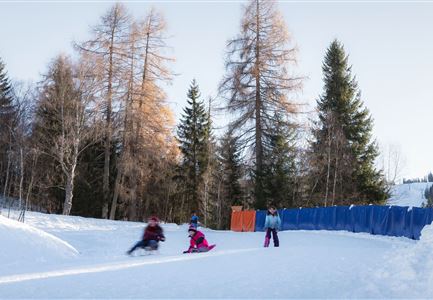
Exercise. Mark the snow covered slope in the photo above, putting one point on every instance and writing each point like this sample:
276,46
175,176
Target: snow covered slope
309,264
410,194
22,245
407,272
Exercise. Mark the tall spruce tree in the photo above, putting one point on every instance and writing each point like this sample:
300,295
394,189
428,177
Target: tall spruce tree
280,167
193,134
229,191
7,119
230,158
208,188
7,108
343,153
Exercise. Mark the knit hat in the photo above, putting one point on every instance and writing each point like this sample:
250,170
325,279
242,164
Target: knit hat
192,228
153,218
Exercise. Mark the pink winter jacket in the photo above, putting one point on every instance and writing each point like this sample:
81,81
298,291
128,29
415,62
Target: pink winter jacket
197,241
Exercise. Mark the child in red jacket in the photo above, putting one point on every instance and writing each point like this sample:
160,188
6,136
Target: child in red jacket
198,242
152,235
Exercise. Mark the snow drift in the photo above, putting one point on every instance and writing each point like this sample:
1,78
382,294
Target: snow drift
23,244
407,271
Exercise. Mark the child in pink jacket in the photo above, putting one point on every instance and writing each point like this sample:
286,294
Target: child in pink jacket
198,242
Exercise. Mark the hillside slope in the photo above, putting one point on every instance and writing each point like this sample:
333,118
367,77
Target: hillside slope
410,194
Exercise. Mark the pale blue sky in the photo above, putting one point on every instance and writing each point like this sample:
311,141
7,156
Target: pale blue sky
390,47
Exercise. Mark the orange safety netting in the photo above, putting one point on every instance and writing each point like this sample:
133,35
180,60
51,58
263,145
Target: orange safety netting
243,220
248,220
236,223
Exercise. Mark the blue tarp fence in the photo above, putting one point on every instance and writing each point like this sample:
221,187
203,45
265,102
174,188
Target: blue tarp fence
380,220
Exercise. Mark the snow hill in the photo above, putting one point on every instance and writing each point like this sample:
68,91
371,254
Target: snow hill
309,264
23,245
409,194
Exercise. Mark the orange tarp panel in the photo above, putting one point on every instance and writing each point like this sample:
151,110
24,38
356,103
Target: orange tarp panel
243,220
236,222
248,220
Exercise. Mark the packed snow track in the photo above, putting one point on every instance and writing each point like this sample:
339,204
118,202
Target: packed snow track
85,258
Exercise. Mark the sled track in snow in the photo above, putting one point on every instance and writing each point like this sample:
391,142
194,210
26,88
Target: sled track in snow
115,266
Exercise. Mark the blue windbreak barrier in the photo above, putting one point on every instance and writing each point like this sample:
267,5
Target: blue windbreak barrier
323,218
361,218
418,221
341,213
428,216
260,220
396,221
307,219
290,219
381,220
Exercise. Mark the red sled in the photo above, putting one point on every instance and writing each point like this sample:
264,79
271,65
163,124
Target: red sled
195,250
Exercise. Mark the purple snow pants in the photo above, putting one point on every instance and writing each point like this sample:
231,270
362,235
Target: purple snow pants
274,236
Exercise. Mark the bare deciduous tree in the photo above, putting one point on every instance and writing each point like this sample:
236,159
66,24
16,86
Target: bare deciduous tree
108,47
258,79
147,138
66,95
392,162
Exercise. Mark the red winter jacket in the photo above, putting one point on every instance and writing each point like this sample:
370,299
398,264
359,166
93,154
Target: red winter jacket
153,233
197,241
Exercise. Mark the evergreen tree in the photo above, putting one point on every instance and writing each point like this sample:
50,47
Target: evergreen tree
88,196
7,108
230,158
210,177
229,191
7,118
280,166
428,194
193,134
343,153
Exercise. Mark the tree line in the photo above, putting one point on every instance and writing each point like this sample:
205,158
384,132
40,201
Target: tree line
97,138
427,178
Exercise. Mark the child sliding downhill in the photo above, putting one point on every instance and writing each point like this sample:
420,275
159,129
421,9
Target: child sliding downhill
198,242
153,234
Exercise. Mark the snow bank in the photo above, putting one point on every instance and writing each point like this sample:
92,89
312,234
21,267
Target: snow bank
407,272
61,223
21,244
409,194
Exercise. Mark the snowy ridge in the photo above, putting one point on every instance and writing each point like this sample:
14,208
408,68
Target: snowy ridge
409,194
21,243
